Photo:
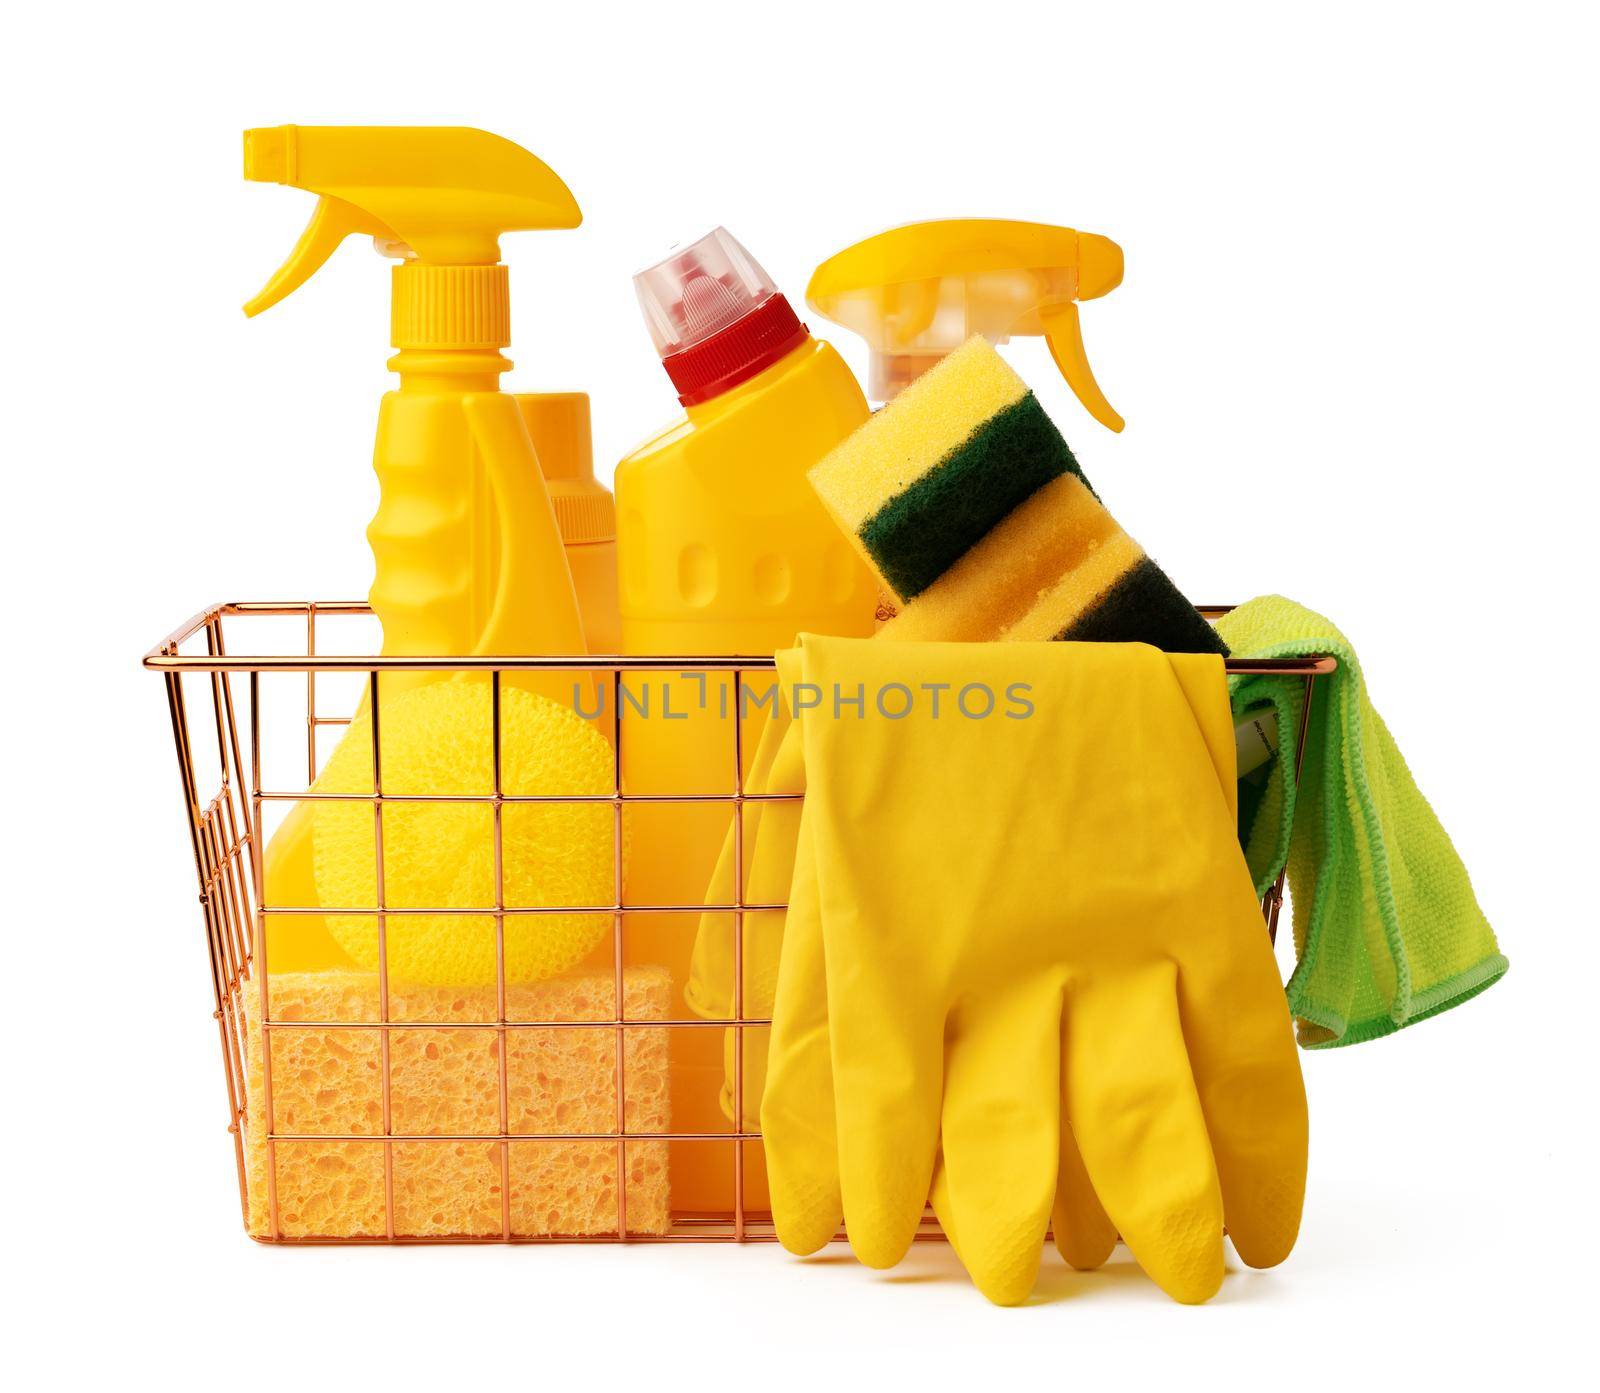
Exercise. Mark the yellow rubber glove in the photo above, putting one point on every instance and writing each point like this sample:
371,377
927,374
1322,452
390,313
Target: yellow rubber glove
1024,969
770,832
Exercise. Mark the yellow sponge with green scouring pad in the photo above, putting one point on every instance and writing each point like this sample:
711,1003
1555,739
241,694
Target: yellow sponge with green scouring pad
967,502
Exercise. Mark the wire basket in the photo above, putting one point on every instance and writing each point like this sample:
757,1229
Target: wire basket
520,1169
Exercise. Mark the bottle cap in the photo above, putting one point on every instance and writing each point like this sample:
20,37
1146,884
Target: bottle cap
715,317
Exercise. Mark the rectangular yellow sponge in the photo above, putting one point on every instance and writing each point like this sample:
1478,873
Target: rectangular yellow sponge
445,1082
966,501
898,445
1000,584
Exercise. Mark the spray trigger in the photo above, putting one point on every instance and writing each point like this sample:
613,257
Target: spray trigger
1064,334
331,222
918,292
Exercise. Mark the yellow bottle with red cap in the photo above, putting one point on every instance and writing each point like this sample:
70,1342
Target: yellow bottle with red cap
723,549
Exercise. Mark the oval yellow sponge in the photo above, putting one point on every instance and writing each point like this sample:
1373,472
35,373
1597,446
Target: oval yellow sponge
437,739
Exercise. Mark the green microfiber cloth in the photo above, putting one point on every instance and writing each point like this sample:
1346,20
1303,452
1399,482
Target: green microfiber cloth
1387,929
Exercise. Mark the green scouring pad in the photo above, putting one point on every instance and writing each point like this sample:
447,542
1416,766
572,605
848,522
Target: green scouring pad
967,502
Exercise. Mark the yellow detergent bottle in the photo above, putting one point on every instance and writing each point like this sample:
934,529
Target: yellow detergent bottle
468,557
918,292
723,548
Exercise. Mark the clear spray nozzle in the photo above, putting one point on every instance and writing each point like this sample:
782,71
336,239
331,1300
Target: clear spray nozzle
918,292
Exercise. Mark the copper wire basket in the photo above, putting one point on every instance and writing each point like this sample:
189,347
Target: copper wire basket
215,701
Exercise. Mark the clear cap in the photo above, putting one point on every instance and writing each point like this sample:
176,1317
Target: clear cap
700,291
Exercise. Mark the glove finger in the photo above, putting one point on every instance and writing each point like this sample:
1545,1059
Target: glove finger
1084,1234
797,1110
888,1078
1242,1051
757,1041
1132,1106
769,880
886,1033
1000,1133
768,833
939,1198
1236,1021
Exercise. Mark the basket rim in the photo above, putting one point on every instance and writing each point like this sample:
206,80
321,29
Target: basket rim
165,656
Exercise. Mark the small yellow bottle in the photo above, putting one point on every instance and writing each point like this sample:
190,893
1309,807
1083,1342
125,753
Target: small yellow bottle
723,549
558,425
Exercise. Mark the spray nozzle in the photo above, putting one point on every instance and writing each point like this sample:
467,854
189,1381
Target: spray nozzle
918,292
434,195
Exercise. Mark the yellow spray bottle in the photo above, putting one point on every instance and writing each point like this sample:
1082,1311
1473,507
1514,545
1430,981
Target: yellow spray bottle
918,292
468,556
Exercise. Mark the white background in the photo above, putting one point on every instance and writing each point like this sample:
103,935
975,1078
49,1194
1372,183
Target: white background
1356,350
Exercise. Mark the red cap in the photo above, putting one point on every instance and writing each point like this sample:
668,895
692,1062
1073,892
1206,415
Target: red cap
715,316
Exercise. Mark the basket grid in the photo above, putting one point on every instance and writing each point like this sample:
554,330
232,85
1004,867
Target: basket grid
228,847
